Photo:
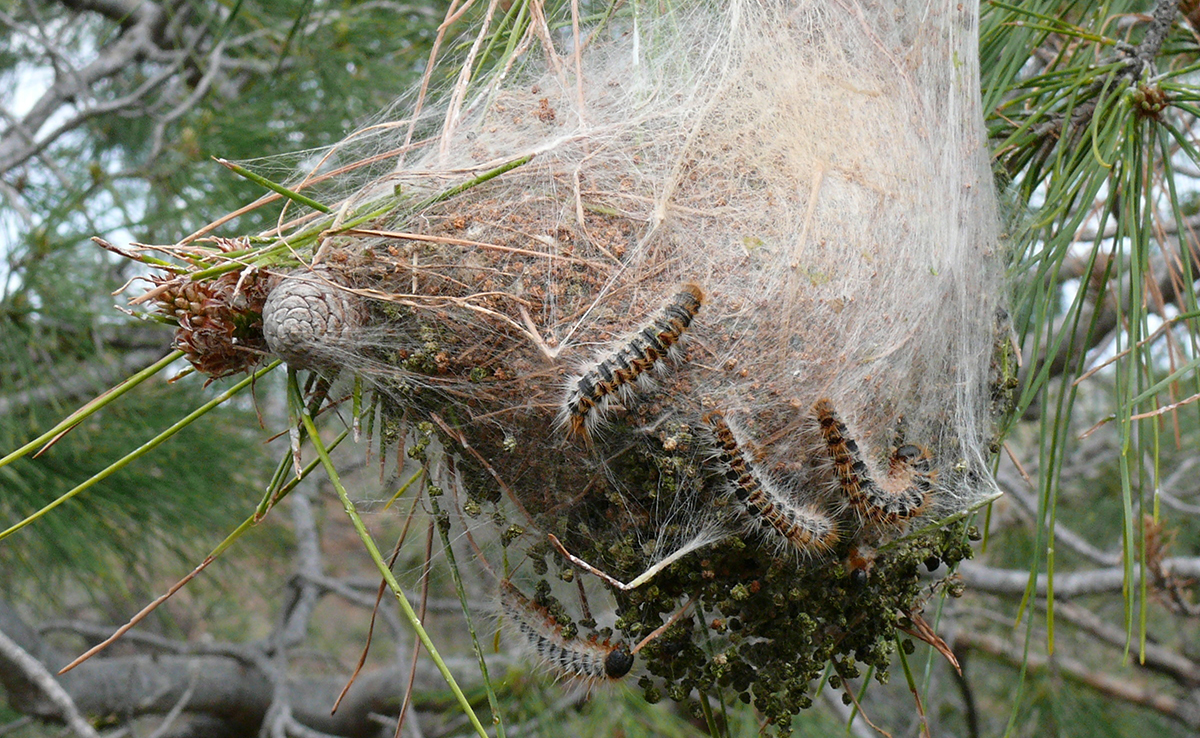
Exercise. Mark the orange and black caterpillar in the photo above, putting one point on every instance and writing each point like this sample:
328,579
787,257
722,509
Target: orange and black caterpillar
633,362
901,495
804,527
589,660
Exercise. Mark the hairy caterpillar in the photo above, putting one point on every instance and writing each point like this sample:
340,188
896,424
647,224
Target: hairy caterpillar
910,468
901,495
802,526
860,560
585,659
647,350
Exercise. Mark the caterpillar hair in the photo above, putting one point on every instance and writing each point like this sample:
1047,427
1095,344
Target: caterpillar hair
588,660
903,493
804,527
633,362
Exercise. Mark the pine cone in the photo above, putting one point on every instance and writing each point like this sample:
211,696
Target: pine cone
220,321
308,316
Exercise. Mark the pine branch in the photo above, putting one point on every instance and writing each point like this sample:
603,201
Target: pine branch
30,682
144,23
1070,584
1181,710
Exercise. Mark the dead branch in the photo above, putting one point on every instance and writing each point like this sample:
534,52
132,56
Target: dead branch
1123,688
237,693
1067,584
36,677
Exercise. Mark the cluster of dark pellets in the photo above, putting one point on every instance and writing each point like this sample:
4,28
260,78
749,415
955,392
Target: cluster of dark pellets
763,626
1003,377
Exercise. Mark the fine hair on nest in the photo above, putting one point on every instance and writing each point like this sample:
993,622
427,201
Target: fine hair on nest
813,173
831,200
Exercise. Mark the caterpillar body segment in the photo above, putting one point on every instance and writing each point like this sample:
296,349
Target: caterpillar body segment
897,497
587,660
803,527
910,477
860,560
631,364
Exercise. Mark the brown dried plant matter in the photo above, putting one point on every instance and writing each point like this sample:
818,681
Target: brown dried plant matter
219,320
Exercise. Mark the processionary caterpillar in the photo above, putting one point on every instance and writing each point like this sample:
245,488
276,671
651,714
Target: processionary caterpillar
589,660
911,466
804,527
633,362
901,495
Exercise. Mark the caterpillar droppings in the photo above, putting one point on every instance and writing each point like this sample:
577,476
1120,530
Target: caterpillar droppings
588,660
804,527
633,362
901,495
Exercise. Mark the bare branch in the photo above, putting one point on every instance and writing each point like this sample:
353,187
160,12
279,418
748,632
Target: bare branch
12,656
1177,504
1158,658
1160,25
146,22
1066,584
171,717
248,654
1146,695
305,594
239,692
1025,501
128,13
366,601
